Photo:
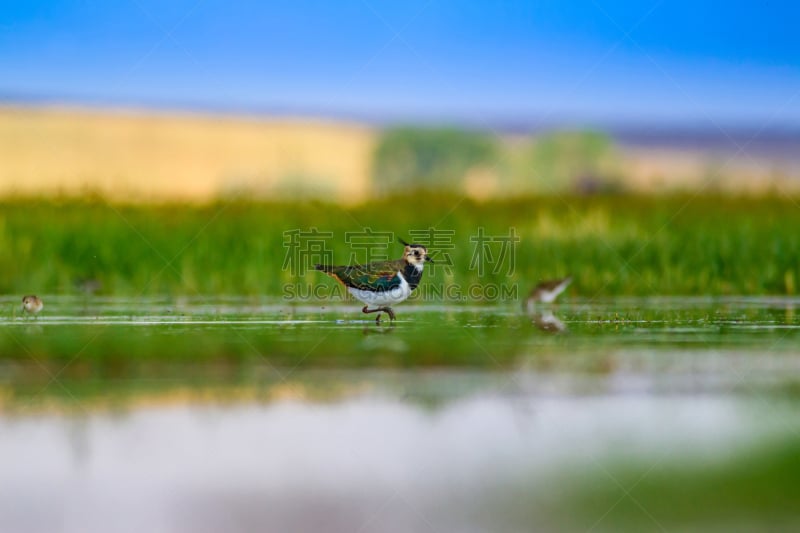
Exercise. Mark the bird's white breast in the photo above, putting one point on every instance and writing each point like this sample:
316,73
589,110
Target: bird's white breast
381,298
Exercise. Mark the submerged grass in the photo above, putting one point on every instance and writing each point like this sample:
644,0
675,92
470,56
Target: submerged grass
611,245
179,343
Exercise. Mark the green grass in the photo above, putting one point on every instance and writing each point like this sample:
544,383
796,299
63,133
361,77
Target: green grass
612,245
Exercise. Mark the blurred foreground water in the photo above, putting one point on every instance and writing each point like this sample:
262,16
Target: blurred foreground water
233,415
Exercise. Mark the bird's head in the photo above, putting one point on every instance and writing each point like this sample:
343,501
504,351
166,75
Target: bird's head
416,254
30,303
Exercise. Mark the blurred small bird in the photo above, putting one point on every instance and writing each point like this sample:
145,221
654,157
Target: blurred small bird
548,291
382,283
32,304
88,286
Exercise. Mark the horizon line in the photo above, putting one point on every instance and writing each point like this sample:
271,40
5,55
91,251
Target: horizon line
499,122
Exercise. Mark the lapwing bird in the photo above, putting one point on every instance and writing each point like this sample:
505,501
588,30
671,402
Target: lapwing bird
547,291
382,283
32,304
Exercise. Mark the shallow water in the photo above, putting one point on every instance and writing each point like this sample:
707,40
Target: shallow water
228,414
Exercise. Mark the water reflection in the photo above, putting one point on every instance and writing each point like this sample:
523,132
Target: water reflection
547,321
224,415
374,461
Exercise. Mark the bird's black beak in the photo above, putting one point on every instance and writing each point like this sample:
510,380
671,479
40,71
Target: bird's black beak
428,259
404,243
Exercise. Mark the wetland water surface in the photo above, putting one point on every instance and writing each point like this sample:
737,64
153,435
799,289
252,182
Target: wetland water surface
234,415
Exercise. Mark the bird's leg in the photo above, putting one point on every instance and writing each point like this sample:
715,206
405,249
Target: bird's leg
379,310
388,311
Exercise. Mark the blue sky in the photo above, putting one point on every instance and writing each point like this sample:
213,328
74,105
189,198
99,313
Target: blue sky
674,60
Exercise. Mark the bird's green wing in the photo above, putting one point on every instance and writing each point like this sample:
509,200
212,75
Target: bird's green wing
378,276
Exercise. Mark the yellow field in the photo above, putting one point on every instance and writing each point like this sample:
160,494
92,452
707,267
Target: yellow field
150,156
135,156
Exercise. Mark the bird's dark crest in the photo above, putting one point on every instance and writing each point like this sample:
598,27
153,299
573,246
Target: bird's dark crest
404,243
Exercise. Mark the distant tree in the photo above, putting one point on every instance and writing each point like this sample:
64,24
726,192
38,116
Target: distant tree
415,158
586,161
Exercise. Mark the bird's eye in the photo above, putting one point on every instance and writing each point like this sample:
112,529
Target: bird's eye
416,252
